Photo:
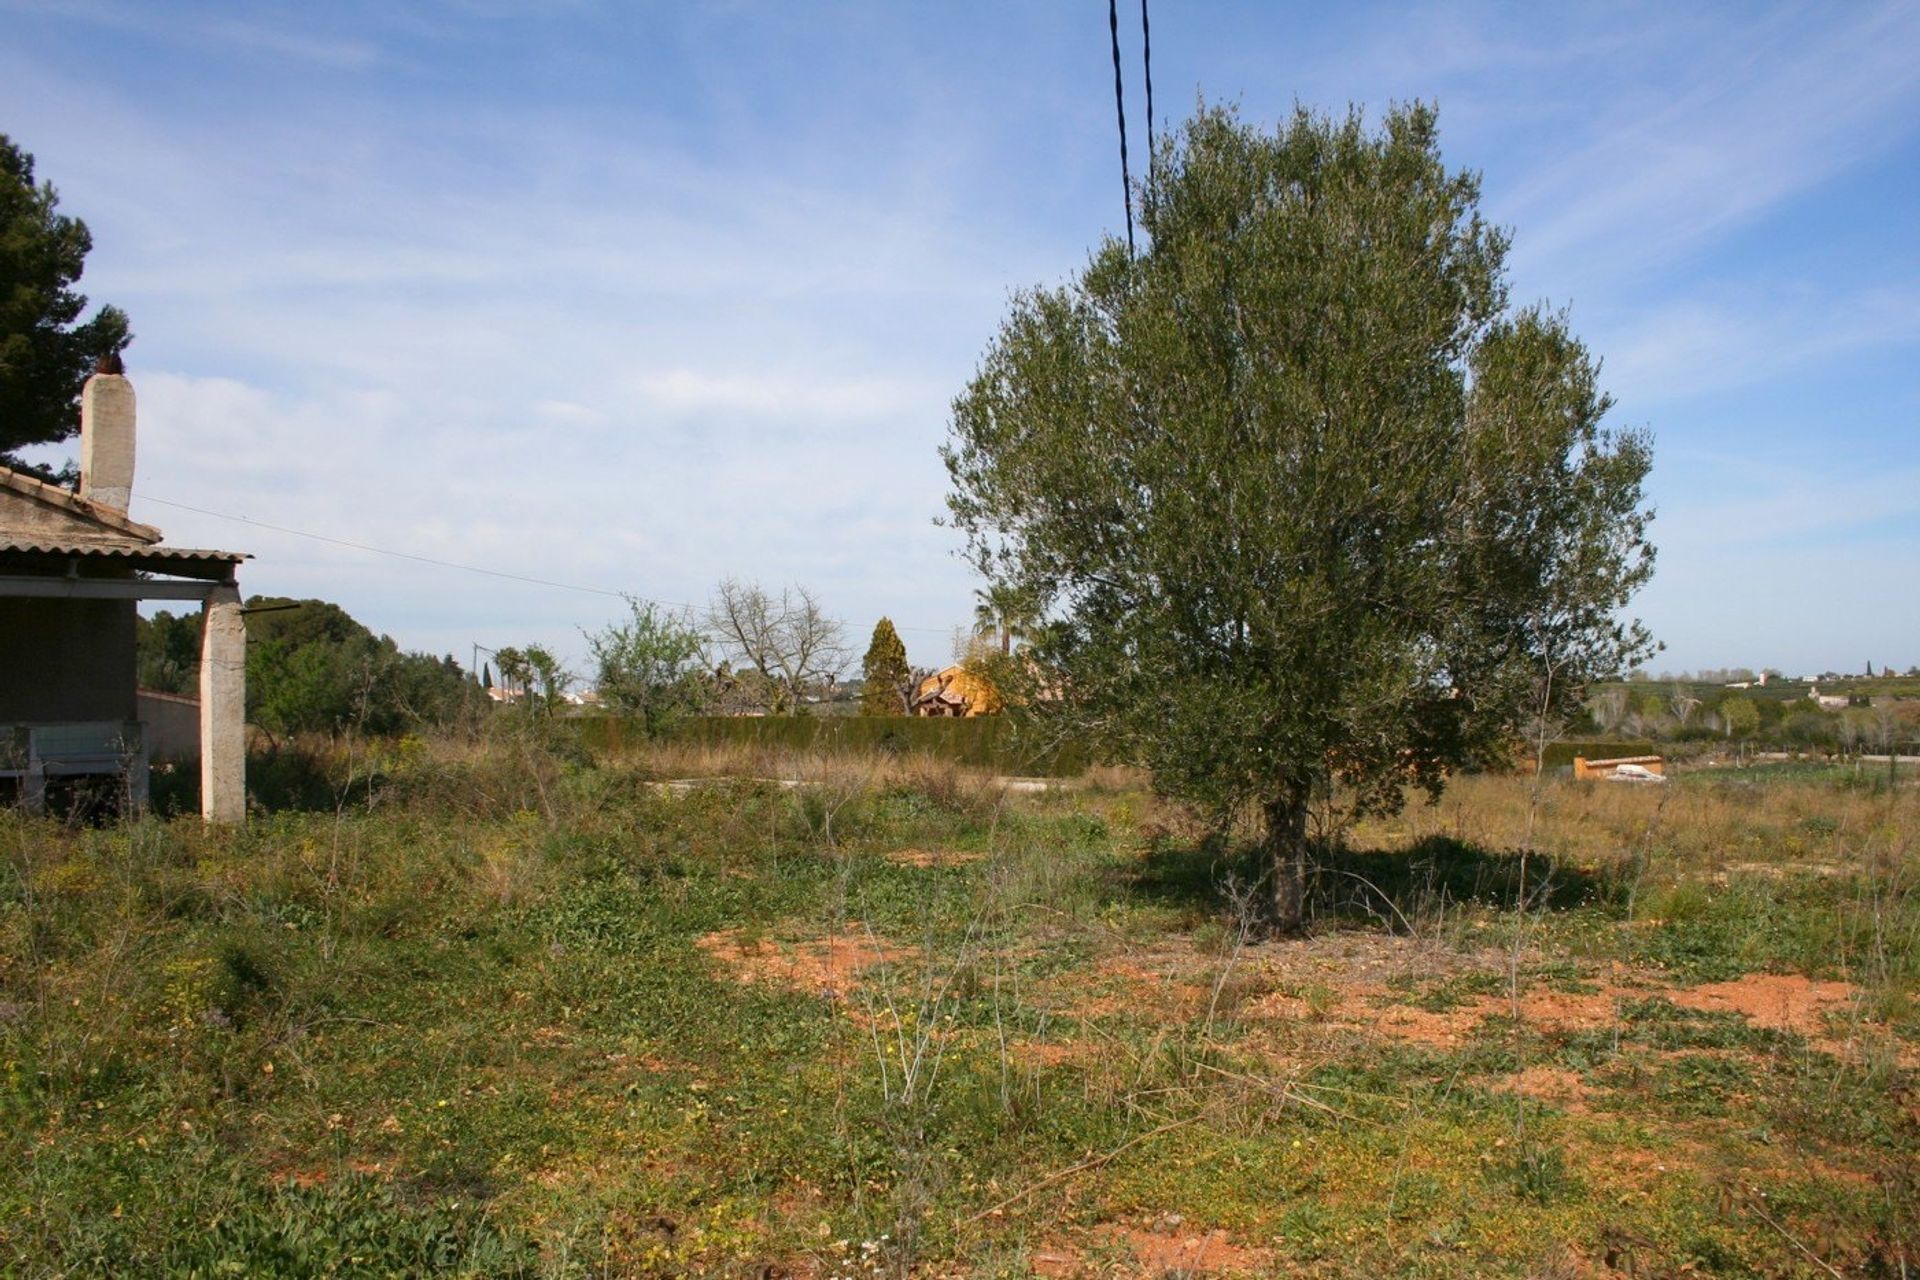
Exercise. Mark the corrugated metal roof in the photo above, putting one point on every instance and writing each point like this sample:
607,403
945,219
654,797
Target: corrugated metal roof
123,551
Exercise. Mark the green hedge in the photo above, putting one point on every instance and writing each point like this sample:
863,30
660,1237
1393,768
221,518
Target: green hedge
987,742
999,743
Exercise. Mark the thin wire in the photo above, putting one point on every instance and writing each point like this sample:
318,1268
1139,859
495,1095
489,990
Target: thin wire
446,564
399,555
1120,110
1146,44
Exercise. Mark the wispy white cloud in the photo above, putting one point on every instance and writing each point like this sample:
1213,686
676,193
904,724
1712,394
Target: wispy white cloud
1448,46
640,336
179,28
1773,507
567,413
1694,346
345,55
1789,100
687,392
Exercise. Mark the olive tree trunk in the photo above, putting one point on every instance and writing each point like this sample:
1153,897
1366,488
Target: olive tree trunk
1286,816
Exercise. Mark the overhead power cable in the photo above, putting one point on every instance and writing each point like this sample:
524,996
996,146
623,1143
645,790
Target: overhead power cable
445,564
383,551
1120,110
1146,46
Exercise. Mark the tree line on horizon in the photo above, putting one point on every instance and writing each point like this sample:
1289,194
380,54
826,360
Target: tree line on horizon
1681,712
313,668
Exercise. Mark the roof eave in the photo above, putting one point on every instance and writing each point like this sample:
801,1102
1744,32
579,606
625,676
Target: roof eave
53,495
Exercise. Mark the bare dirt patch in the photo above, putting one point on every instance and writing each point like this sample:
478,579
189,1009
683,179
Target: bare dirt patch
319,1175
1782,1001
1554,1086
1136,1251
1370,985
1781,870
1167,982
816,966
1152,983
1277,1004
1052,1053
933,857
1363,963
1421,1026
1539,1007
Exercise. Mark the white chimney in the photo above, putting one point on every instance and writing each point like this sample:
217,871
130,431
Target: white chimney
106,440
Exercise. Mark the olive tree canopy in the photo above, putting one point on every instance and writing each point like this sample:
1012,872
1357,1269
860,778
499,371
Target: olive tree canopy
1313,513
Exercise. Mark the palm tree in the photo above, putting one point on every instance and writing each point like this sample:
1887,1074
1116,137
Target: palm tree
513,671
1004,611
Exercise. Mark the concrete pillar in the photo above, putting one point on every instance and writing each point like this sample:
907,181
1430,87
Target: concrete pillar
223,708
106,440
33,787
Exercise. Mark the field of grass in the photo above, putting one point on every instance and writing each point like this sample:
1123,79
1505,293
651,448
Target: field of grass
506,1014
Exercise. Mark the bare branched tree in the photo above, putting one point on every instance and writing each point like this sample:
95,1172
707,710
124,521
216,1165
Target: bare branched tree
787,641
1609,707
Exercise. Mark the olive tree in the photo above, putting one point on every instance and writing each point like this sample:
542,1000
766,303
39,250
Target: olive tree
1313,515
1740,716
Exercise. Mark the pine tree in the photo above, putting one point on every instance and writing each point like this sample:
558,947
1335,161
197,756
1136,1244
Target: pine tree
885,673
46,350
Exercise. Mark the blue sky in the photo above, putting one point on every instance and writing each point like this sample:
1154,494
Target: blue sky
635,296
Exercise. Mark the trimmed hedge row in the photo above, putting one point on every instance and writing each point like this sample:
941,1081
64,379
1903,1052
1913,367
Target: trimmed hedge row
987,742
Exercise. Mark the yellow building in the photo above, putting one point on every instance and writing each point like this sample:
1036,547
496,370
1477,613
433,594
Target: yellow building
955,691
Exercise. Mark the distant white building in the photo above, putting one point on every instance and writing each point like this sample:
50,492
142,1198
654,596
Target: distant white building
1827,701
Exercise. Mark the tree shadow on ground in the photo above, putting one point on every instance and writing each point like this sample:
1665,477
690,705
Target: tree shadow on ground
1440,871
1392,886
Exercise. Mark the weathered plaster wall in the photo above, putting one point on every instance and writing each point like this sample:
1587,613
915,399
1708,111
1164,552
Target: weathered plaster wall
173,726
23,518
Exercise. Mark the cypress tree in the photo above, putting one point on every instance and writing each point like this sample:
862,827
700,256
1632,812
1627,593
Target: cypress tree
885,673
